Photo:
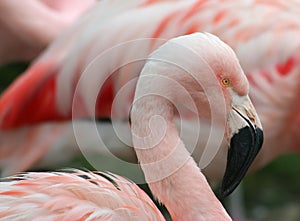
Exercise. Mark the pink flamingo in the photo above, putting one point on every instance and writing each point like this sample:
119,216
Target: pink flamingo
56,73
168,167
74,195
22,26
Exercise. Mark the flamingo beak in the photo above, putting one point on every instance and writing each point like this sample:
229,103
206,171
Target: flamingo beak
246,138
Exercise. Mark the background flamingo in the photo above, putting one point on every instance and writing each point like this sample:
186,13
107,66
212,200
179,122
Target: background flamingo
166,163
272,67
22,26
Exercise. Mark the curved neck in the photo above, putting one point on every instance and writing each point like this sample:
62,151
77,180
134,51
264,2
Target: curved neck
172,175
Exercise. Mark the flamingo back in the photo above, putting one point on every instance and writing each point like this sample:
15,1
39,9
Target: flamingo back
74,195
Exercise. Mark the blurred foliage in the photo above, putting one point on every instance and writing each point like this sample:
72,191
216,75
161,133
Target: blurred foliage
273,192
9,72
270,194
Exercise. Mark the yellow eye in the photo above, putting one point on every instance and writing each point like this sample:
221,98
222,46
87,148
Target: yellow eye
225,81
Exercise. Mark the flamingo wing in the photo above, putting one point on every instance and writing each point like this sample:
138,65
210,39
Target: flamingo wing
74,194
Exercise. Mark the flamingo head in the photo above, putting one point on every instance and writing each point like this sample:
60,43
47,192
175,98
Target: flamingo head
209,71
243,129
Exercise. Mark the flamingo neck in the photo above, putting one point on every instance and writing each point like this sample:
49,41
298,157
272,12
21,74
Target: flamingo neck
172,174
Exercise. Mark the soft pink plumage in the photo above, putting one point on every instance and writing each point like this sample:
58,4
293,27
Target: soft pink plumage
265,44
73,194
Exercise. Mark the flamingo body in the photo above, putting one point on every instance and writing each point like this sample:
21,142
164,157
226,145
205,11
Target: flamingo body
74,194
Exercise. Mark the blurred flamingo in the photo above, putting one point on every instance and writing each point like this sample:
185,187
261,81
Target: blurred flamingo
265,46
22,26
167,165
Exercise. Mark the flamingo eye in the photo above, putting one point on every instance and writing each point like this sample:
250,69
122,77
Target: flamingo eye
225,82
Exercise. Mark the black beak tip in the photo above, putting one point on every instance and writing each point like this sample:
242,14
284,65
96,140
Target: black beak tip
244,146
226,190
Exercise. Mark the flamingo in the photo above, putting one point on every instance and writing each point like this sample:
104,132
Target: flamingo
73,194
22,26
270,63
167,165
